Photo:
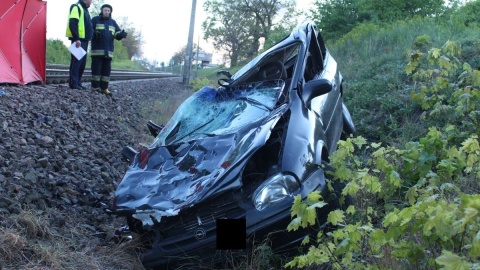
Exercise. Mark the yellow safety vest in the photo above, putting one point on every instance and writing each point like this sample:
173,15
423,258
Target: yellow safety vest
77,13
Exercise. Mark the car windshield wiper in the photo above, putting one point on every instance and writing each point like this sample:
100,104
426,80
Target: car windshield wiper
191,132
255,102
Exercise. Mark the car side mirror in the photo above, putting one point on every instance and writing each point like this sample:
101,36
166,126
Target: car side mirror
154,128
315,88
128,153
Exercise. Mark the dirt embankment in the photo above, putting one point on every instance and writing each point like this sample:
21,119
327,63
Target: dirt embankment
60,163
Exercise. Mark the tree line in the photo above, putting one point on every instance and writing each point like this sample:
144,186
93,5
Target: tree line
241,29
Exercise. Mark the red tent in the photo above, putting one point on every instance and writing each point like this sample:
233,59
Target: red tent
23,31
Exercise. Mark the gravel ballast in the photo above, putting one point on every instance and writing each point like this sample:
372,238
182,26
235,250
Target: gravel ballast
60,149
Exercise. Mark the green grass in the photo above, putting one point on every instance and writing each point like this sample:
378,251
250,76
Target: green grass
372,59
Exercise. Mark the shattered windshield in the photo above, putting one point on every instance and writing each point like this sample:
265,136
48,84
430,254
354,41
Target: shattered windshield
212,111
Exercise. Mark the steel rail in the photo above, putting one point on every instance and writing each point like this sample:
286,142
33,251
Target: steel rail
58,74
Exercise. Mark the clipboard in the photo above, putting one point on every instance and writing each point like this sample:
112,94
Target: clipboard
79,52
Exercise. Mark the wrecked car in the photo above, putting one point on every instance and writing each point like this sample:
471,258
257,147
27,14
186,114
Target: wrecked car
238,152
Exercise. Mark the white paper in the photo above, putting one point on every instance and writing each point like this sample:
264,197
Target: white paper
77,52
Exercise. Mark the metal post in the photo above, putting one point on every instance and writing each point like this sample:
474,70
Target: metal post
196,60
188,53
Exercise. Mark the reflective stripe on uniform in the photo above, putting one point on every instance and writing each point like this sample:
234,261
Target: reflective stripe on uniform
105,79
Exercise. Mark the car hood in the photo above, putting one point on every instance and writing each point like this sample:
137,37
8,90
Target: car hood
169,177
165,179
201,150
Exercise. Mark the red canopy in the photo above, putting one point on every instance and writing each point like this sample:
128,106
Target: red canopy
23,30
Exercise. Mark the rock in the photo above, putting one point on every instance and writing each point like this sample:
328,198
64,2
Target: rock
60,149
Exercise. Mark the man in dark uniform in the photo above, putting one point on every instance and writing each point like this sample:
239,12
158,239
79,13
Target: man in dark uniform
80,32
106,30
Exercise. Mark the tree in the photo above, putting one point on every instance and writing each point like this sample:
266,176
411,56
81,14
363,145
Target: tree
468,14
236,27
392,10
337,17
94,10
226,27
134,40
264,12
120,52
277,33
57,52
179,57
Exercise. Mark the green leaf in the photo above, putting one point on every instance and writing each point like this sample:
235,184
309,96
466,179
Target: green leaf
351,210
394,179
472,201
359,141
317,205
390,218
471,145
314,197
470,216
475,245
306,240
335,217
467,67
377,240
309,217
410,68
476,78
351,188
406,215
376,145
294,224
452,261
371,183
435,52
298,207
412,195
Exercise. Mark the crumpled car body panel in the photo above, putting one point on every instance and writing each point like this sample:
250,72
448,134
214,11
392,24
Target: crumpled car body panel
169,177
267,130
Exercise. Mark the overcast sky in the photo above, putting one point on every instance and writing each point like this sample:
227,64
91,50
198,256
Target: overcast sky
164,23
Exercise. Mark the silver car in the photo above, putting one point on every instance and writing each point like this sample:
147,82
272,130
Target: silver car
224,169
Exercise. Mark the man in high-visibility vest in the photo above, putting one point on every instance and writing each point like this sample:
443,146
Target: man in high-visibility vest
80,32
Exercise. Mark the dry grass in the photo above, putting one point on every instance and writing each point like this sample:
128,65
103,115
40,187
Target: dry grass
32,226
160,111
11,244
28,241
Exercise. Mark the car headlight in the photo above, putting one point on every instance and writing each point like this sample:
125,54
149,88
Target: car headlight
274,189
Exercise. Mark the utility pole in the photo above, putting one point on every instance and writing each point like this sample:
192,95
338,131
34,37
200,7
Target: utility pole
188,53
196,56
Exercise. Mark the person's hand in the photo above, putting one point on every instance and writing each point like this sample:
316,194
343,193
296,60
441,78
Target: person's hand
123,34
78,43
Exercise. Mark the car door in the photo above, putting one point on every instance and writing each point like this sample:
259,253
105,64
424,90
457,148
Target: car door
327,107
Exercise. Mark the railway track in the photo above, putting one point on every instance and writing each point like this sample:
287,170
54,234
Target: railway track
58,74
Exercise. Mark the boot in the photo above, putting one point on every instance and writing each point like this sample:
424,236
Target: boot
106,92
96,90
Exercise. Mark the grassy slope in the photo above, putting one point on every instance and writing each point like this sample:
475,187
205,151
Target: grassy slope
372,60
